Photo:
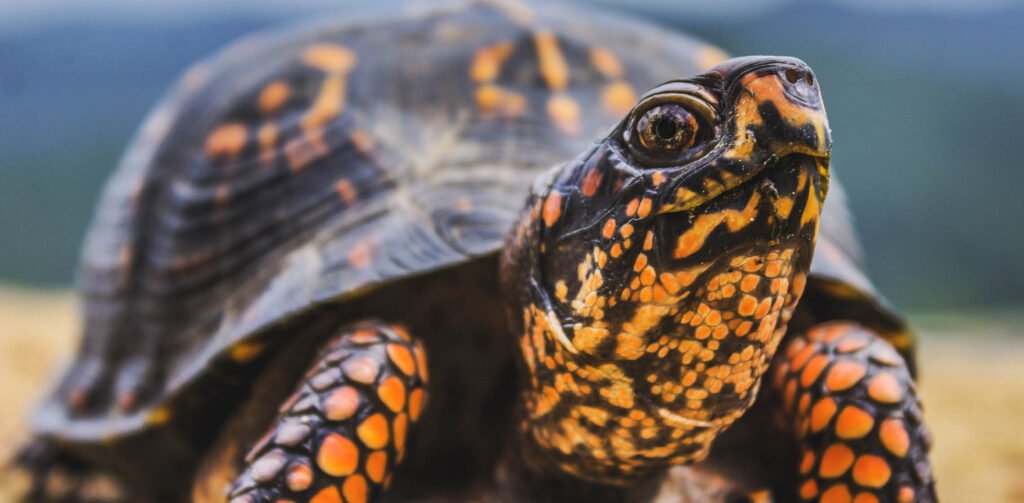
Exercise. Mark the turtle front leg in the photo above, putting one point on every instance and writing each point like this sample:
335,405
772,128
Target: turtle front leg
851,402
343,431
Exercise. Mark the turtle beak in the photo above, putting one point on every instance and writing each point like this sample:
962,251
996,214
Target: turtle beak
782,94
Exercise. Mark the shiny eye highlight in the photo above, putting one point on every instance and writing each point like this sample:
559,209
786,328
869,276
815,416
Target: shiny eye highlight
671,130
667,127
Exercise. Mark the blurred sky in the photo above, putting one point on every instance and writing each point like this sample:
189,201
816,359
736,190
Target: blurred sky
925,100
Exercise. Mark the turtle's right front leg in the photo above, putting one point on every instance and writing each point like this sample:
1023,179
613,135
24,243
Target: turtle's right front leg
343,431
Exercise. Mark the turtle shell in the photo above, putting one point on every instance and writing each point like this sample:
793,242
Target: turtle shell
310,166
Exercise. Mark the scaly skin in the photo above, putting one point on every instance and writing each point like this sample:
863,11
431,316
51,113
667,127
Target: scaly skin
850,401
654,282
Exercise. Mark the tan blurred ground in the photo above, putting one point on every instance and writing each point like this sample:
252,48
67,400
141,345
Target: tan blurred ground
972,382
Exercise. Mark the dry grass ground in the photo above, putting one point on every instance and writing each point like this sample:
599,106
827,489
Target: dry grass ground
972,382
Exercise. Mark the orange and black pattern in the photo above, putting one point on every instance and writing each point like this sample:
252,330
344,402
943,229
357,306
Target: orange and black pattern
848,397
343,432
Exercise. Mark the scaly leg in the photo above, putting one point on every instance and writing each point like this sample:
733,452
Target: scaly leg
851,402
342,433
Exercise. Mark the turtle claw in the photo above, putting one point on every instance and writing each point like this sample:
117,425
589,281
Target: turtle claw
55,476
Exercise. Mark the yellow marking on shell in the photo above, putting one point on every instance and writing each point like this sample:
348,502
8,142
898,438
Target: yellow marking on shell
693,239
618,98
487,61
565,113
227,139
328,105
553,67
267,138
606,62
246,351
812,208
493,99
329,58
707,56
273,96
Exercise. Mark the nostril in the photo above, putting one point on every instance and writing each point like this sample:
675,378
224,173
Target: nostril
809,77
792,76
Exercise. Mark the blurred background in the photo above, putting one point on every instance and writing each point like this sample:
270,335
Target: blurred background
925,98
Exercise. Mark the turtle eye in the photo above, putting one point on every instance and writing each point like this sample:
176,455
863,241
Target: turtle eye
669,133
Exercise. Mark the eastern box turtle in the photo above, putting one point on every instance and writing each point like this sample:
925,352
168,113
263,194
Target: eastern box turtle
337,265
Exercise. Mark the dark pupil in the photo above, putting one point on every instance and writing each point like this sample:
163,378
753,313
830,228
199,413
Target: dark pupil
666,127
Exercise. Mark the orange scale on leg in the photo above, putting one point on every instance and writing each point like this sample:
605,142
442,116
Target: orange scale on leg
807,463
835,461
402,358
838,493
853,422
337,455
329,494
865,498
809,489
885,388
843,375
416,399
392,392
355,489
894,437
341,403
813,370
376,466
373,431
871,471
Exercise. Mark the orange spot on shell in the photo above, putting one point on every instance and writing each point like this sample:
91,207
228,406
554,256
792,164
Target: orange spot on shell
843,375
552,208
337,456
894,437
376,466
329,494
373,431
347,192
330,58
273,96
618,98
402,358
871,471
565,113
487,61
360,255
392,392
355,489
853,422
835,461
885,388
341,404
606,63
553,68
228,139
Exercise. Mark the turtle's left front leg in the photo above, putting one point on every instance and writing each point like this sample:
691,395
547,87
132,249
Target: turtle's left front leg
849,398
343,431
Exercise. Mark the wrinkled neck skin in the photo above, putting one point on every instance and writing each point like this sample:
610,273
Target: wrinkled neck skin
648,303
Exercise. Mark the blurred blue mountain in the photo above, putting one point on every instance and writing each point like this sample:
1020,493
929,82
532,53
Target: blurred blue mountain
926,111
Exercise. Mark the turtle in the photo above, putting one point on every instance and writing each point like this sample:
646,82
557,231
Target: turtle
483,251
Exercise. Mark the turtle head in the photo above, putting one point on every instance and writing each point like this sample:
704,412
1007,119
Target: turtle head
655,273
